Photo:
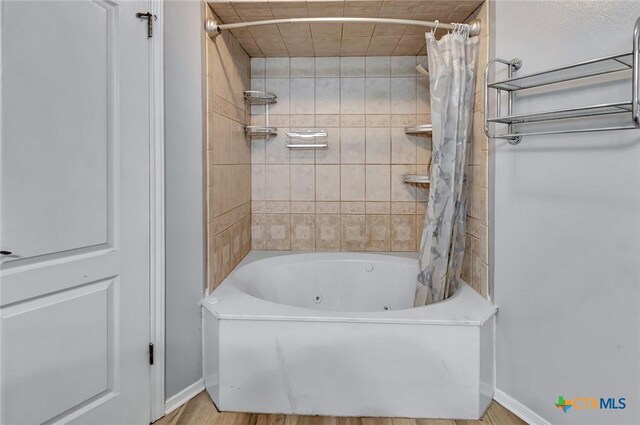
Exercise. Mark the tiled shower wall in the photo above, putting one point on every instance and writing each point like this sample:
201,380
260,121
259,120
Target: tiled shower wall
475,268
351,196
228,157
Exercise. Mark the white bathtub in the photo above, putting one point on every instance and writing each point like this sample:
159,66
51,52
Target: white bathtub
337,334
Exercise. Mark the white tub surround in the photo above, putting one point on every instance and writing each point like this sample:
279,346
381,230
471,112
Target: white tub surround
308,334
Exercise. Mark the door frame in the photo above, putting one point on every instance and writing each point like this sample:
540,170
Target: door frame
156,209
157,212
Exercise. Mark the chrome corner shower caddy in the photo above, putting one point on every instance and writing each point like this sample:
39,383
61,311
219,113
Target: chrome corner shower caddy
508,87
255,97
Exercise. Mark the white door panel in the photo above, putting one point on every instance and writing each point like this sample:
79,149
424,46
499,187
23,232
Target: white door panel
74,201
60,80
51,350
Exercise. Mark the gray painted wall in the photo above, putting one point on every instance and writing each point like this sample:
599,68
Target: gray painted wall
185,230
567,224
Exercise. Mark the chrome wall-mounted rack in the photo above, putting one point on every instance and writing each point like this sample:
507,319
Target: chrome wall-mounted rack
308,135
254,97
582,70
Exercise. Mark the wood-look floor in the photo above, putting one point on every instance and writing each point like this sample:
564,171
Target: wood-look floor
201,411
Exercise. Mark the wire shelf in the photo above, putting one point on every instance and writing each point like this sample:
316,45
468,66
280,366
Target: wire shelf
561,114
255,97
518,125
257,132
591,68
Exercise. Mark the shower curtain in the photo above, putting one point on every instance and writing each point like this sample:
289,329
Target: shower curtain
452,69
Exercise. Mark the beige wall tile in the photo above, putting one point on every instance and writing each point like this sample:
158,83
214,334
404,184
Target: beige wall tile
377,207
302,96
277,182
378,183
283,90
423,145
423,96
352,66
403,147
378,95
327,183
352,145
278,229
352,95
378,120
352,207
303,232
360,174
352,235
258,67
328,232
303,207
276,151
302,121
354,46
328,67
327,46
298,30
328,120
302,182
327,95
271,44
277,67
358,30
258,207
403,120
328,207
400,191
352,182
403,95
382,45
378,232
352,120
302,67
378,66
403,233
378,145
403,208
277,207
403,66
257,182
300,46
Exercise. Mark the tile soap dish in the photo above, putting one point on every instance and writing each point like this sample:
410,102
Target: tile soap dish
419,129
416,178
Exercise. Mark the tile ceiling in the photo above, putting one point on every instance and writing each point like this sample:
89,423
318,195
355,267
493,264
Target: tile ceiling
303,39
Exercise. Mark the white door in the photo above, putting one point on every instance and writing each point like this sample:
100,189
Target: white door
74,213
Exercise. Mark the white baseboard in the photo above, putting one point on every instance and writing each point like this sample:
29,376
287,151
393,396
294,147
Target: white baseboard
183,396
519,409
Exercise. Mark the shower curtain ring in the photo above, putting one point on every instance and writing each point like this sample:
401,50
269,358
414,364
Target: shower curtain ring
433,30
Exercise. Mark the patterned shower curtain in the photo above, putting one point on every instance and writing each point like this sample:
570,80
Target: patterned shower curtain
452,70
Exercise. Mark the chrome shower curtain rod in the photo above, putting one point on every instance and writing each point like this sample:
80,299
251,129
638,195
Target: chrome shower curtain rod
214,29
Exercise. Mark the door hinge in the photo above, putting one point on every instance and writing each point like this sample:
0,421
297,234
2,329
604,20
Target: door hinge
150,18
151,353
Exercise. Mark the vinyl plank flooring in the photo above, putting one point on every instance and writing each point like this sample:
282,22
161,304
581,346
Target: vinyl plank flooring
262,419
501,416
201,411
